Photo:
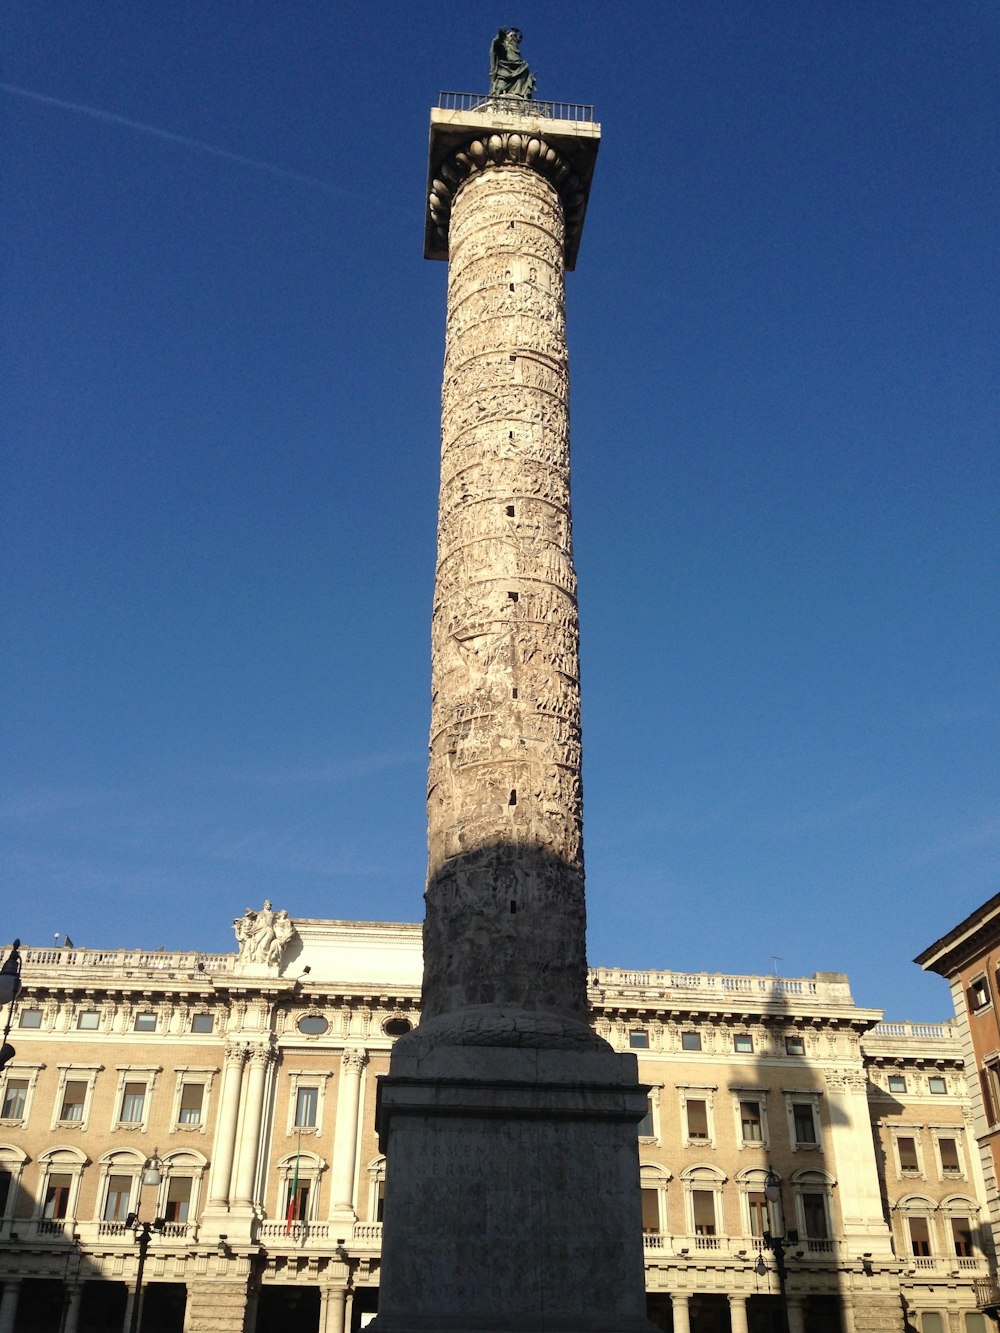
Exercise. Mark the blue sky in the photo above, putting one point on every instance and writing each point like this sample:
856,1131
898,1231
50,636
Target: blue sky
222,364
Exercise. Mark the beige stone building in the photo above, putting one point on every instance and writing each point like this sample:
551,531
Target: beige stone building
251,1078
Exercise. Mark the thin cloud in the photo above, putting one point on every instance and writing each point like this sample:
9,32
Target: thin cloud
154,131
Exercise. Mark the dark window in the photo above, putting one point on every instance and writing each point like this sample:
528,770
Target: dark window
144,1023
6,1185
133,1103
814,1216
908,1162
396,1027
795,1045
650,1212
380,1201
15,1098
192,1100
703,1207
950,1164
897,1083
697,1120
639,1040
203,1023
759,1219
57,1196
74,1097
979,994
937,1086
89,1020
961,1234
313,1025
743,1043
117,1199
178,1203
29,1018
299,1200
645,1129
690,1041
750,1122
920,1236
804,1121
306,1103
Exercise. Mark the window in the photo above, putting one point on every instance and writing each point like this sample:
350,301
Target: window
133,1103
116,1201
650,1212
975,1322
697,1121
57,1188
313,1025
177,1205
804,1124
750,1122
306,1102
203,1023
297,1208
961,1236
979,994
73,1102
639,1040
817,1226
930,1322
29,1018
950,1165
795,1045
937,1085
909,1163
144,1023
399,1027
989,1080
380,1201
743,1043
920,1236
703,1212
6,1189
759,1218
897,1083
88,1020
690,1041
645,1127
15,1099
192,1100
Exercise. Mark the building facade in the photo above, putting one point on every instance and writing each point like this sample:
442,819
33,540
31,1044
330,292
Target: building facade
251,1079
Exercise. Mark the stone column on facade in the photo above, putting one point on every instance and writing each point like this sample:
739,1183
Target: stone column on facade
130,1296
332,1310
796,1314
862,1219
225,1139
345,1140
8,1304
73,1297
738,1314
680,1303
246,1167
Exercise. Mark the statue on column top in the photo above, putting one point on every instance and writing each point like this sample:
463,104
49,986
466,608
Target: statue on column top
509,73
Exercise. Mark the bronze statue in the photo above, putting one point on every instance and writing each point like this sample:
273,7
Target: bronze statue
509,74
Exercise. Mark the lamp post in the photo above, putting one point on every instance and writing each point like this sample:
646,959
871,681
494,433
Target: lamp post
143,1231
777,1241
10,985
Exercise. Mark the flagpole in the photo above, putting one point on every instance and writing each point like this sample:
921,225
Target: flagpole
293,1192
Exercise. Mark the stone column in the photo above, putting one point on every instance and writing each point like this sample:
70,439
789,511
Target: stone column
129,1306
8,1304
863,1225
738,1314
73,1297
246,1167
345,1142
681,1304
225,1138
333,1306
796,1314
505,912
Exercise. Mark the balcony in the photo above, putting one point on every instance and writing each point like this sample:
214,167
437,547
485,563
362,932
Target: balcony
516,106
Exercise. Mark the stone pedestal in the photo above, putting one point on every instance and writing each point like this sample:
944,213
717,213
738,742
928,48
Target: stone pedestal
513,1181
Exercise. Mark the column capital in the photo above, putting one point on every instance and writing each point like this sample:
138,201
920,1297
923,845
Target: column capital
236,1051
354,1059
259,1054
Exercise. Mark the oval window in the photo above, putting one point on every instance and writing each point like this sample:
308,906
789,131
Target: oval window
396,1027
313,1025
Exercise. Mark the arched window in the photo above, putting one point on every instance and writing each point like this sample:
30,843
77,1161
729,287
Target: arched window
653,1181
915,1229
703,1205
12,1164
180,1189
299,1176
118,1188
376,1189
814,1209
59,1187
960,1218
754,1212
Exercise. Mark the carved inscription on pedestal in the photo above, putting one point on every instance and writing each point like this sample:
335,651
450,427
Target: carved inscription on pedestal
505,910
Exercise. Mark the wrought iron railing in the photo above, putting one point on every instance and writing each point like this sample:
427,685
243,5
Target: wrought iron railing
516,106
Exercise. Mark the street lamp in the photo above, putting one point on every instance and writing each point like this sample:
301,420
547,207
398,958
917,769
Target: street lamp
10,986
142,1230
777,1242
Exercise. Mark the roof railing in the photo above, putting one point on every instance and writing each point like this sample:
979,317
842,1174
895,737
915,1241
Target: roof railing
515,106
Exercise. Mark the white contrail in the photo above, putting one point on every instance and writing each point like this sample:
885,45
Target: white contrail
97,114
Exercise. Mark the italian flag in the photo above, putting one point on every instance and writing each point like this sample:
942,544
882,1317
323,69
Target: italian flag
292,1195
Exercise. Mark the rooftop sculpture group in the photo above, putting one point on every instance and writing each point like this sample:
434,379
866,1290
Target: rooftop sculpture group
262,935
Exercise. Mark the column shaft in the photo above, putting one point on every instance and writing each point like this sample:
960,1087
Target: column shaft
333,1305
796,1315
8,1304
738,1314
74,1297
682,1312
246,1167
225,1138
345,1143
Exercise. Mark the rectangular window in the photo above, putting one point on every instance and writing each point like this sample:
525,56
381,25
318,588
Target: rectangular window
930,1322
804,1123
937,1086
975,1322
203,1023
178,1204
306,1102
750,1122
192,1098
920,1236
89,1020
690,1041
989,1080
133,1103
380,1201
795,1045
29,1018
57,1196
950,1165
897,1083
299,1201
117,1200
703,1207
814,1216
961,1235
651,1212
907,1149
144,1023
74,1097
759,1219
979,994
697,1118
6,1181
743,1043
15,1098
639,1040
645,1127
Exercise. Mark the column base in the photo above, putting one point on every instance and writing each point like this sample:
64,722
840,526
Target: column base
512,1191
